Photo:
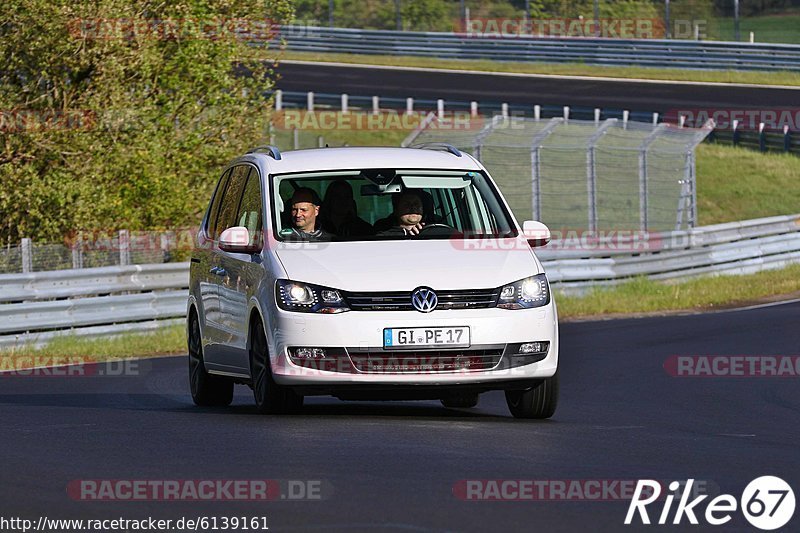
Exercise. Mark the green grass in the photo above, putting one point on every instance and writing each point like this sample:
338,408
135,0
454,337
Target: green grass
709,292
562,69
71,349
739,184
778,28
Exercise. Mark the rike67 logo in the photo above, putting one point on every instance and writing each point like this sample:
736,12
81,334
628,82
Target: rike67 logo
767,503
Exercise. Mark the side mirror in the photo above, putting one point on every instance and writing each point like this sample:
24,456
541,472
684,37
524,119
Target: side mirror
237,240
536,233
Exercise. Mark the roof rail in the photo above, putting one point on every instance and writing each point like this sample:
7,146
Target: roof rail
439,146
272,151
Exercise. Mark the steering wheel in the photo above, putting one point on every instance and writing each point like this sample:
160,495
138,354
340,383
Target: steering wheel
442,227
436,225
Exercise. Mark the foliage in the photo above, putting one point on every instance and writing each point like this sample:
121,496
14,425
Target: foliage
107,124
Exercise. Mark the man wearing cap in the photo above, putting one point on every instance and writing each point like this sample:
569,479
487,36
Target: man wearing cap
305,209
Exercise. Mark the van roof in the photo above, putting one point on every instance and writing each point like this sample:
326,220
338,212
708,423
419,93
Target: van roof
365,157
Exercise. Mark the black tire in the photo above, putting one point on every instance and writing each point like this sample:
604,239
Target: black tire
461,402
270,397
207,389
537,402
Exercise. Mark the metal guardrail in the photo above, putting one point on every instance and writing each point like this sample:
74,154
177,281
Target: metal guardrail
36,307
112,300
594,51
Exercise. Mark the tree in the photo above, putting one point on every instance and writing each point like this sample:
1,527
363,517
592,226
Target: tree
119,113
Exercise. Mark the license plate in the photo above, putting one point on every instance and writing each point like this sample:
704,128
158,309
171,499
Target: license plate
410,338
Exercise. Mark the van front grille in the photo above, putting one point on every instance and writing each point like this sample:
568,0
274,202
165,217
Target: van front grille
401,301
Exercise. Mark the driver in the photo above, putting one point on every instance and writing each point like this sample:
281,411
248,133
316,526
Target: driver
305,210
407,216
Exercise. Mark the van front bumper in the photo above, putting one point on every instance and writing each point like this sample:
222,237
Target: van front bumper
353,340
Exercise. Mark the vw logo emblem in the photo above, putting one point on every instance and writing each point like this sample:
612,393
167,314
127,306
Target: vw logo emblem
424,299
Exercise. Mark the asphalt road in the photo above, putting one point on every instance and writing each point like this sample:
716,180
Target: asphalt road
632,95
393,466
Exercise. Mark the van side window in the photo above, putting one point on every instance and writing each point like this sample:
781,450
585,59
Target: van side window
230,200
215,201
249,214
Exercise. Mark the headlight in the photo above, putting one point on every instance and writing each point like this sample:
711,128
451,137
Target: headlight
308,298
525,293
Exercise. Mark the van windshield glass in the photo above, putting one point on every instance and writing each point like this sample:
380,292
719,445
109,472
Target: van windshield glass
378,204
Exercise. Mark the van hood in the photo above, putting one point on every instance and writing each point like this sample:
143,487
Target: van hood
372,266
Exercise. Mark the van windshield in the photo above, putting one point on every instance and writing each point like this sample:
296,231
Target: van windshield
378,204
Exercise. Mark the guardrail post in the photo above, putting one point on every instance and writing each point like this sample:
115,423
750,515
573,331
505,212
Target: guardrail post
295,138
762,138
655,119
345,109
77,253
536,146
124,247
27,255
597,116
376,105
504,110
440,109
310,101
591,171
644,222
566,112
278,100
537,112
625,116
166,255
473,109
320,141
409,106
736,133
787,139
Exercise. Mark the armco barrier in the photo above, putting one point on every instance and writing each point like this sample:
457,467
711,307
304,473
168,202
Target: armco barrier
103,301
36,307
641,52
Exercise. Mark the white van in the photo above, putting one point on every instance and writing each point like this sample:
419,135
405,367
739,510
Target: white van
369,273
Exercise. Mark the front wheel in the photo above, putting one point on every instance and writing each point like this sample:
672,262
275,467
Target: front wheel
207,389
537,402
269,396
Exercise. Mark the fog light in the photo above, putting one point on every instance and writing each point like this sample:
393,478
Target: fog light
532,347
